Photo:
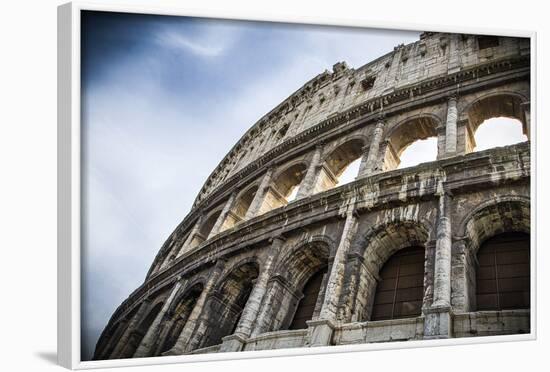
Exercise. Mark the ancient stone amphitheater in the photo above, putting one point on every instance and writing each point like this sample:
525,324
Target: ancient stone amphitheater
275,254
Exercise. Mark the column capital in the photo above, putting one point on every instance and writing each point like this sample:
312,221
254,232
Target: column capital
453,96
320,145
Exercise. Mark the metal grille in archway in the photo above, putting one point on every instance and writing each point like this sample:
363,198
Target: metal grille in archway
503,274
400,290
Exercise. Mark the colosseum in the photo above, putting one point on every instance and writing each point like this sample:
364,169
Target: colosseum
276,254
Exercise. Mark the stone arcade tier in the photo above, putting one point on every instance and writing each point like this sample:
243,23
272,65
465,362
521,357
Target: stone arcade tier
448,206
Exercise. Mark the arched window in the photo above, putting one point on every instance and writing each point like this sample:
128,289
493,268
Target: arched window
181,314
306,307
228,303
411,143
284,188
400,290
341,166
503,275
497,120
240,208
509,132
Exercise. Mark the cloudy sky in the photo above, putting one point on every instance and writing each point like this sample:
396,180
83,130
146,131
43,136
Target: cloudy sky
163,100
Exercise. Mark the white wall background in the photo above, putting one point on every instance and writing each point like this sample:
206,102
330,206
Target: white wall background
28,185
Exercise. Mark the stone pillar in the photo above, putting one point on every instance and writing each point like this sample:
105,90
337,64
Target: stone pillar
438,317
260,195
223,215
276,285
368,164
187,245
251,310
461,269
189,339
442,278
321,329
146,346
451,126
308,183
132,326
527,119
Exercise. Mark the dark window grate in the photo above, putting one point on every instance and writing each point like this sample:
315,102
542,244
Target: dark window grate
400,291
306,307
503,274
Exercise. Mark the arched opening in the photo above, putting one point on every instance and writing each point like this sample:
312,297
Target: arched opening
503,274
418,137
180,316
306,306
284,188
299,281
497,120
421,151
135,340
399,292
393,273
497,132
507,215
205,229
238,212
228,303
341,166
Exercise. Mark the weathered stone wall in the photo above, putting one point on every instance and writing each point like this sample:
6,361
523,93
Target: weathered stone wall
232,274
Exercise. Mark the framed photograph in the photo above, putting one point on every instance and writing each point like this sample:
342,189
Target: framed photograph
236,187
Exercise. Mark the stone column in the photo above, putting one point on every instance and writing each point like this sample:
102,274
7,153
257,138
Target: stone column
321,329
189,339
185,247
368,164
260,194
251,310
527,119
308,183
223,215
132,325
442,277
438,317
451,126
146,346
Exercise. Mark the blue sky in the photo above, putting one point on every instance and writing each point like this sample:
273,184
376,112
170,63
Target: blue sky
163,100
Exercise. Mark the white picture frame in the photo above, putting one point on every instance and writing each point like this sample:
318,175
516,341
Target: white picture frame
69,190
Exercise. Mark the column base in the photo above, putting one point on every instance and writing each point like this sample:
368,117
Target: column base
438,322
232,343
320,332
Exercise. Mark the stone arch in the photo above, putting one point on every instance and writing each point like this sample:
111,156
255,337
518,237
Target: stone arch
292,272
179,313
405,133
228,300
208,223
141,330
289,177
337,160
242,203
283,186
376,247
508,104
504,214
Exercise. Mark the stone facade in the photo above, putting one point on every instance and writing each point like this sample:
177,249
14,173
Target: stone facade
231,276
